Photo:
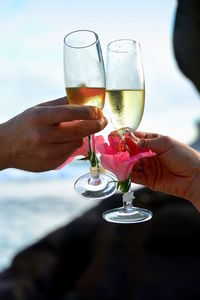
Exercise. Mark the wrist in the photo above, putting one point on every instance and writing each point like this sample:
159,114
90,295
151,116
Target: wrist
194,193
4,149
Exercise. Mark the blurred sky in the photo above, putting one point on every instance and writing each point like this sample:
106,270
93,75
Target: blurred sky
31,55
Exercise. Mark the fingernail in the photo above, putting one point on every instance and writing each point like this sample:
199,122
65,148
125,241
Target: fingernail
103,121
98,112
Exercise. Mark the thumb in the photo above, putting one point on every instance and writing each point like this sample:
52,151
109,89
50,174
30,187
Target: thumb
158,144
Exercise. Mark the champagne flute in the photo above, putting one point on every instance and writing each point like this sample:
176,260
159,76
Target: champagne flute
84,75
125,91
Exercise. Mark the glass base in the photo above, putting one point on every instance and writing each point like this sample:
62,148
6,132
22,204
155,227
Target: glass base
124,216
105,189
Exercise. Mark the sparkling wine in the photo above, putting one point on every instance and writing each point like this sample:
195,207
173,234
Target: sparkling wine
86,96
125,107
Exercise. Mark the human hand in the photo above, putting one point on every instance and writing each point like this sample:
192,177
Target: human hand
175,170
44,136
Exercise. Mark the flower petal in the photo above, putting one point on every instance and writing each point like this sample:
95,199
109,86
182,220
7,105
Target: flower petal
114,141
121,162
83,150
116,163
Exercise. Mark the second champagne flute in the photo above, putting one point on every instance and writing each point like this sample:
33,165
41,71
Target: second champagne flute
125,98
85,85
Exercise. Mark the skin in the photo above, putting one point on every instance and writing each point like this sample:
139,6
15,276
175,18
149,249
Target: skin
175,170
44,136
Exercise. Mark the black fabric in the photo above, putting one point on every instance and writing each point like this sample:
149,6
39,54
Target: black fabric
93,259
187,39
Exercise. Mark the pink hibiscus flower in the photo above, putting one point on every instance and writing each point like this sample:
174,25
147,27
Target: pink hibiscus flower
83,150
119,156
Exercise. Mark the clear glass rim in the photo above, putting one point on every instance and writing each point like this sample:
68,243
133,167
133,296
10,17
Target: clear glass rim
135,43
81,30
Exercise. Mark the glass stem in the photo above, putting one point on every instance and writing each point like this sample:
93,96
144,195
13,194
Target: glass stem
94,176
94,168
93,158
128,198
126,131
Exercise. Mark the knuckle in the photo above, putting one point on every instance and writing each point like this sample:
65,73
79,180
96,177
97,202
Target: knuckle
34,114
166,139
71,112
143,144
38,137
91,111
77,131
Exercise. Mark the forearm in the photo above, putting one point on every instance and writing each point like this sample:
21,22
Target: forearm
195,190
4,148
191,189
